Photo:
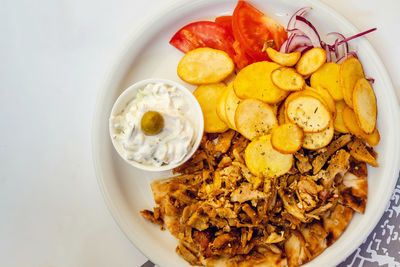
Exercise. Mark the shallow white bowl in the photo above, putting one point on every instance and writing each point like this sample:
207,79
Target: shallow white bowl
130,93
147,54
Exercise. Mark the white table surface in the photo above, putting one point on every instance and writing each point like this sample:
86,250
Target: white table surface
53,57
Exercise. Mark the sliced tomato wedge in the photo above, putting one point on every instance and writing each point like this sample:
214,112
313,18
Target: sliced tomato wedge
203,34
256,31
226,22
241,58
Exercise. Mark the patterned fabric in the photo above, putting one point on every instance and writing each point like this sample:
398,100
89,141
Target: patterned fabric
382,247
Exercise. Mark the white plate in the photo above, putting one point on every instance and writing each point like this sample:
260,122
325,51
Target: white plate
148,55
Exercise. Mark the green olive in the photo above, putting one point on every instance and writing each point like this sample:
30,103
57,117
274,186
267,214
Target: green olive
152,123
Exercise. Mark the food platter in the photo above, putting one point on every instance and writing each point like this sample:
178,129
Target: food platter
147,54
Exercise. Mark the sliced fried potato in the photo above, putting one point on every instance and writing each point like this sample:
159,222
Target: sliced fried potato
207,96
351,71
263,160
221,105
231,103
372,139
287,138
205,65
254,81
359,151
326,96
287,79
338,123
284,59
309,113
311,61
319,140
350,120
328,77
281,116
275,108
364,102
254,118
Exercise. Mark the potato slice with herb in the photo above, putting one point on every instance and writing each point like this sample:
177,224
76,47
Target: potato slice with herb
254,81
319,140
326,96
287,79
221,105
364,102
328,77
287,138
284,59
350,120
205,65
309,113
338,123
263,160
231,104
351,71
208,95
311,61
254,118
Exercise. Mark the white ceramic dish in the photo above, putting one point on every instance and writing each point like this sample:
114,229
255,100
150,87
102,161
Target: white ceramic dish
194,110
147,54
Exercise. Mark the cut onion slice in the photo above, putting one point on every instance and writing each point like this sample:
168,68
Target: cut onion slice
301,12
327,50
298,41
357,35
308,29
302,49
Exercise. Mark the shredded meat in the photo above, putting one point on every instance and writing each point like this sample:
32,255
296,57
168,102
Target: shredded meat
224,215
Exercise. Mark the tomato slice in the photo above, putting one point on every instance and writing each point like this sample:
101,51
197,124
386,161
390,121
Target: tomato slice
256,31
226,22
241,58
203,34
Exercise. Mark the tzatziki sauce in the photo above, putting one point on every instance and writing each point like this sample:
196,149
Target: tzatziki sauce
172,143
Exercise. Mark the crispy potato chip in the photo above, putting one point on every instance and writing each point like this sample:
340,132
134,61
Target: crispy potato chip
364,102
254,118
319,140
231,103
372,139
205,65
309,113
287,138
338,123
281,116
311,61
350,120
262,159
326,96
351,71
328,77
207,95
254,81
221,105
284,59
287,79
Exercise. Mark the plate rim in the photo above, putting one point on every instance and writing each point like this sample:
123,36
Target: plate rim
111,76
